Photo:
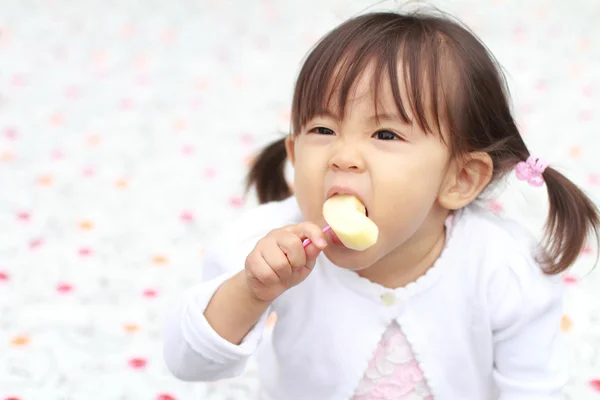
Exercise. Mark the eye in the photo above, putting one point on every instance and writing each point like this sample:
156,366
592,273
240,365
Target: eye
386,135
320,130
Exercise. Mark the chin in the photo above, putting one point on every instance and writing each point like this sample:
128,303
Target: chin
346,258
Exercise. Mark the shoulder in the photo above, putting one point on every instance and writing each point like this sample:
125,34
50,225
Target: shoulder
259,220
495,242
504,267
235,240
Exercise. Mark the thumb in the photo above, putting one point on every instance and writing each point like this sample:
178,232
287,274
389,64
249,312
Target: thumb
312,252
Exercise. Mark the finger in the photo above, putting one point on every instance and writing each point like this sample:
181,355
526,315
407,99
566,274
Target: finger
310,231
258,269
277,260
291,245
312,252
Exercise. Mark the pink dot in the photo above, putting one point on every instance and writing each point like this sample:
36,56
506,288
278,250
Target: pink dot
247,139
36,243
3,276
10,133
142,80
126,104
186,216
527,109
594,179
210,173
587,250
569,280
541,85
12,398
496,206
88,172
150,293
165,396
72,92
195,104
236,201
187,149
585,115
57,154
18,80
519,33
24,216
64,288
588,91
138,363
595,384
85,251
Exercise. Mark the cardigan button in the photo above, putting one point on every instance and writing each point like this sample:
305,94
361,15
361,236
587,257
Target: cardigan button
388,298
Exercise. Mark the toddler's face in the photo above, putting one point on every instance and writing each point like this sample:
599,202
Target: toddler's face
396,169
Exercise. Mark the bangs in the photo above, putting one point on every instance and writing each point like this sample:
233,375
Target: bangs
378,43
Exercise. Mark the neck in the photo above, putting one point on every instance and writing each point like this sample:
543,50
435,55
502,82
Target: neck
411,260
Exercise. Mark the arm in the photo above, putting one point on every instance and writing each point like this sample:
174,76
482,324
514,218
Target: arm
195,349
530,358
233,310
219,324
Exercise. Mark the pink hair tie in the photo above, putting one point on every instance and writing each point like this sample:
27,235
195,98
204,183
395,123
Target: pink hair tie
531,171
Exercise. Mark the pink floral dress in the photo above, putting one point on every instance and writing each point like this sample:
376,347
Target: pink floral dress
393,373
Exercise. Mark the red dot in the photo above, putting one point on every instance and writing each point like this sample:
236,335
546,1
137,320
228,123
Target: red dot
150,293
35,243
23,215
165,396
12,398
569,279
137,363
3,276
236,201
85,251
64,288
187,216
595,384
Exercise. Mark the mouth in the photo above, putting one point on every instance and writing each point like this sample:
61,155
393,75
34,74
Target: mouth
335,190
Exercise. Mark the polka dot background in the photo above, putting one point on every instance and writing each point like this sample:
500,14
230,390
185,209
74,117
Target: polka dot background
126,128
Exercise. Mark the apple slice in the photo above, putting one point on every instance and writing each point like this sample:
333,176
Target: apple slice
345,214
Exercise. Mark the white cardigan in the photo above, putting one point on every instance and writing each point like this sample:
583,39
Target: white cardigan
483,322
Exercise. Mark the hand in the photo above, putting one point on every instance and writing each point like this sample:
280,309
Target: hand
279,261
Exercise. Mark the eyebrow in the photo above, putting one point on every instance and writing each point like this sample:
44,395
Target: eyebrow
385,117
373,118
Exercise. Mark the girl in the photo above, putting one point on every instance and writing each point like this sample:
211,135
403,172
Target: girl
410,114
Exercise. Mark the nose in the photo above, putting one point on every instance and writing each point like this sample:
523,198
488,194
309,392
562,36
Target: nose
347,157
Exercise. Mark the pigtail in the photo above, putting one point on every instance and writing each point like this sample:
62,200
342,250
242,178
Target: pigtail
571,217
268,173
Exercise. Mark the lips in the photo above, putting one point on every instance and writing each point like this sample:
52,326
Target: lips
337,189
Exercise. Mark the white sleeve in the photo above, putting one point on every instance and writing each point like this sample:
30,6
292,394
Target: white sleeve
529,351
192,350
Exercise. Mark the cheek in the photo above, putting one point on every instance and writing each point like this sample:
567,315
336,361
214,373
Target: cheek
308,186
406,195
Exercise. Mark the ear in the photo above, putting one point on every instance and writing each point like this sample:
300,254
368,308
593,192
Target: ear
289,148
465,180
